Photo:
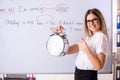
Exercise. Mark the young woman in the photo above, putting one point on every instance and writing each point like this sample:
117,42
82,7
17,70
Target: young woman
93,49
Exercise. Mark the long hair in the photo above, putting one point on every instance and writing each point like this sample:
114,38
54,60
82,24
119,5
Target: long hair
103,27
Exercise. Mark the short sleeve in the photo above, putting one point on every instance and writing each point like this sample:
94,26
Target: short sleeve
102,44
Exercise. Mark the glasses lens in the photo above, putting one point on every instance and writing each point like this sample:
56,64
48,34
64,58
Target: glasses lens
94,20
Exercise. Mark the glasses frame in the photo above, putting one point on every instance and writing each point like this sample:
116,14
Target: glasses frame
94,20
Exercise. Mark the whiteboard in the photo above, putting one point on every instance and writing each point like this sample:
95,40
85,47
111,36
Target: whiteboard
25,26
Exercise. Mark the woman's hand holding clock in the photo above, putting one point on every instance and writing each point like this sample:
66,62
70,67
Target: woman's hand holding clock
59,29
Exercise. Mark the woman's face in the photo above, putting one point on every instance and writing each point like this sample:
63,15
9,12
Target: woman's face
93,23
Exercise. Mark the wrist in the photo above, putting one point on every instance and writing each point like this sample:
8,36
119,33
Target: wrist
86,49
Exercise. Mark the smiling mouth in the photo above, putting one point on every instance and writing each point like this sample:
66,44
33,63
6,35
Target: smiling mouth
93,26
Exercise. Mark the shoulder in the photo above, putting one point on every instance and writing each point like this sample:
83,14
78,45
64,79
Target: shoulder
101,39
100,33
100,36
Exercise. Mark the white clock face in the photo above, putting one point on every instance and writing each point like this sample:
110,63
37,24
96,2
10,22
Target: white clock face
55,45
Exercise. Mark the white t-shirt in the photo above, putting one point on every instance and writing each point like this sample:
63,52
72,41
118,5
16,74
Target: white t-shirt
97,44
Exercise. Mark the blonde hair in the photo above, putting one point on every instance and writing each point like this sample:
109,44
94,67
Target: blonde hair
103,27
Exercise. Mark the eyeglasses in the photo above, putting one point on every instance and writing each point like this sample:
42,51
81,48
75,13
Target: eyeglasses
94,20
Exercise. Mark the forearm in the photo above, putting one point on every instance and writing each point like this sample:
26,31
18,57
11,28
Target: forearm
94,59
73,49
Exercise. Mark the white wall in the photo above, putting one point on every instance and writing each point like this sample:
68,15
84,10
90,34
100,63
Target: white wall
69,77
65,76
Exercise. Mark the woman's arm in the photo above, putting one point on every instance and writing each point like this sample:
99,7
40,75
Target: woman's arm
98,60
73,49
